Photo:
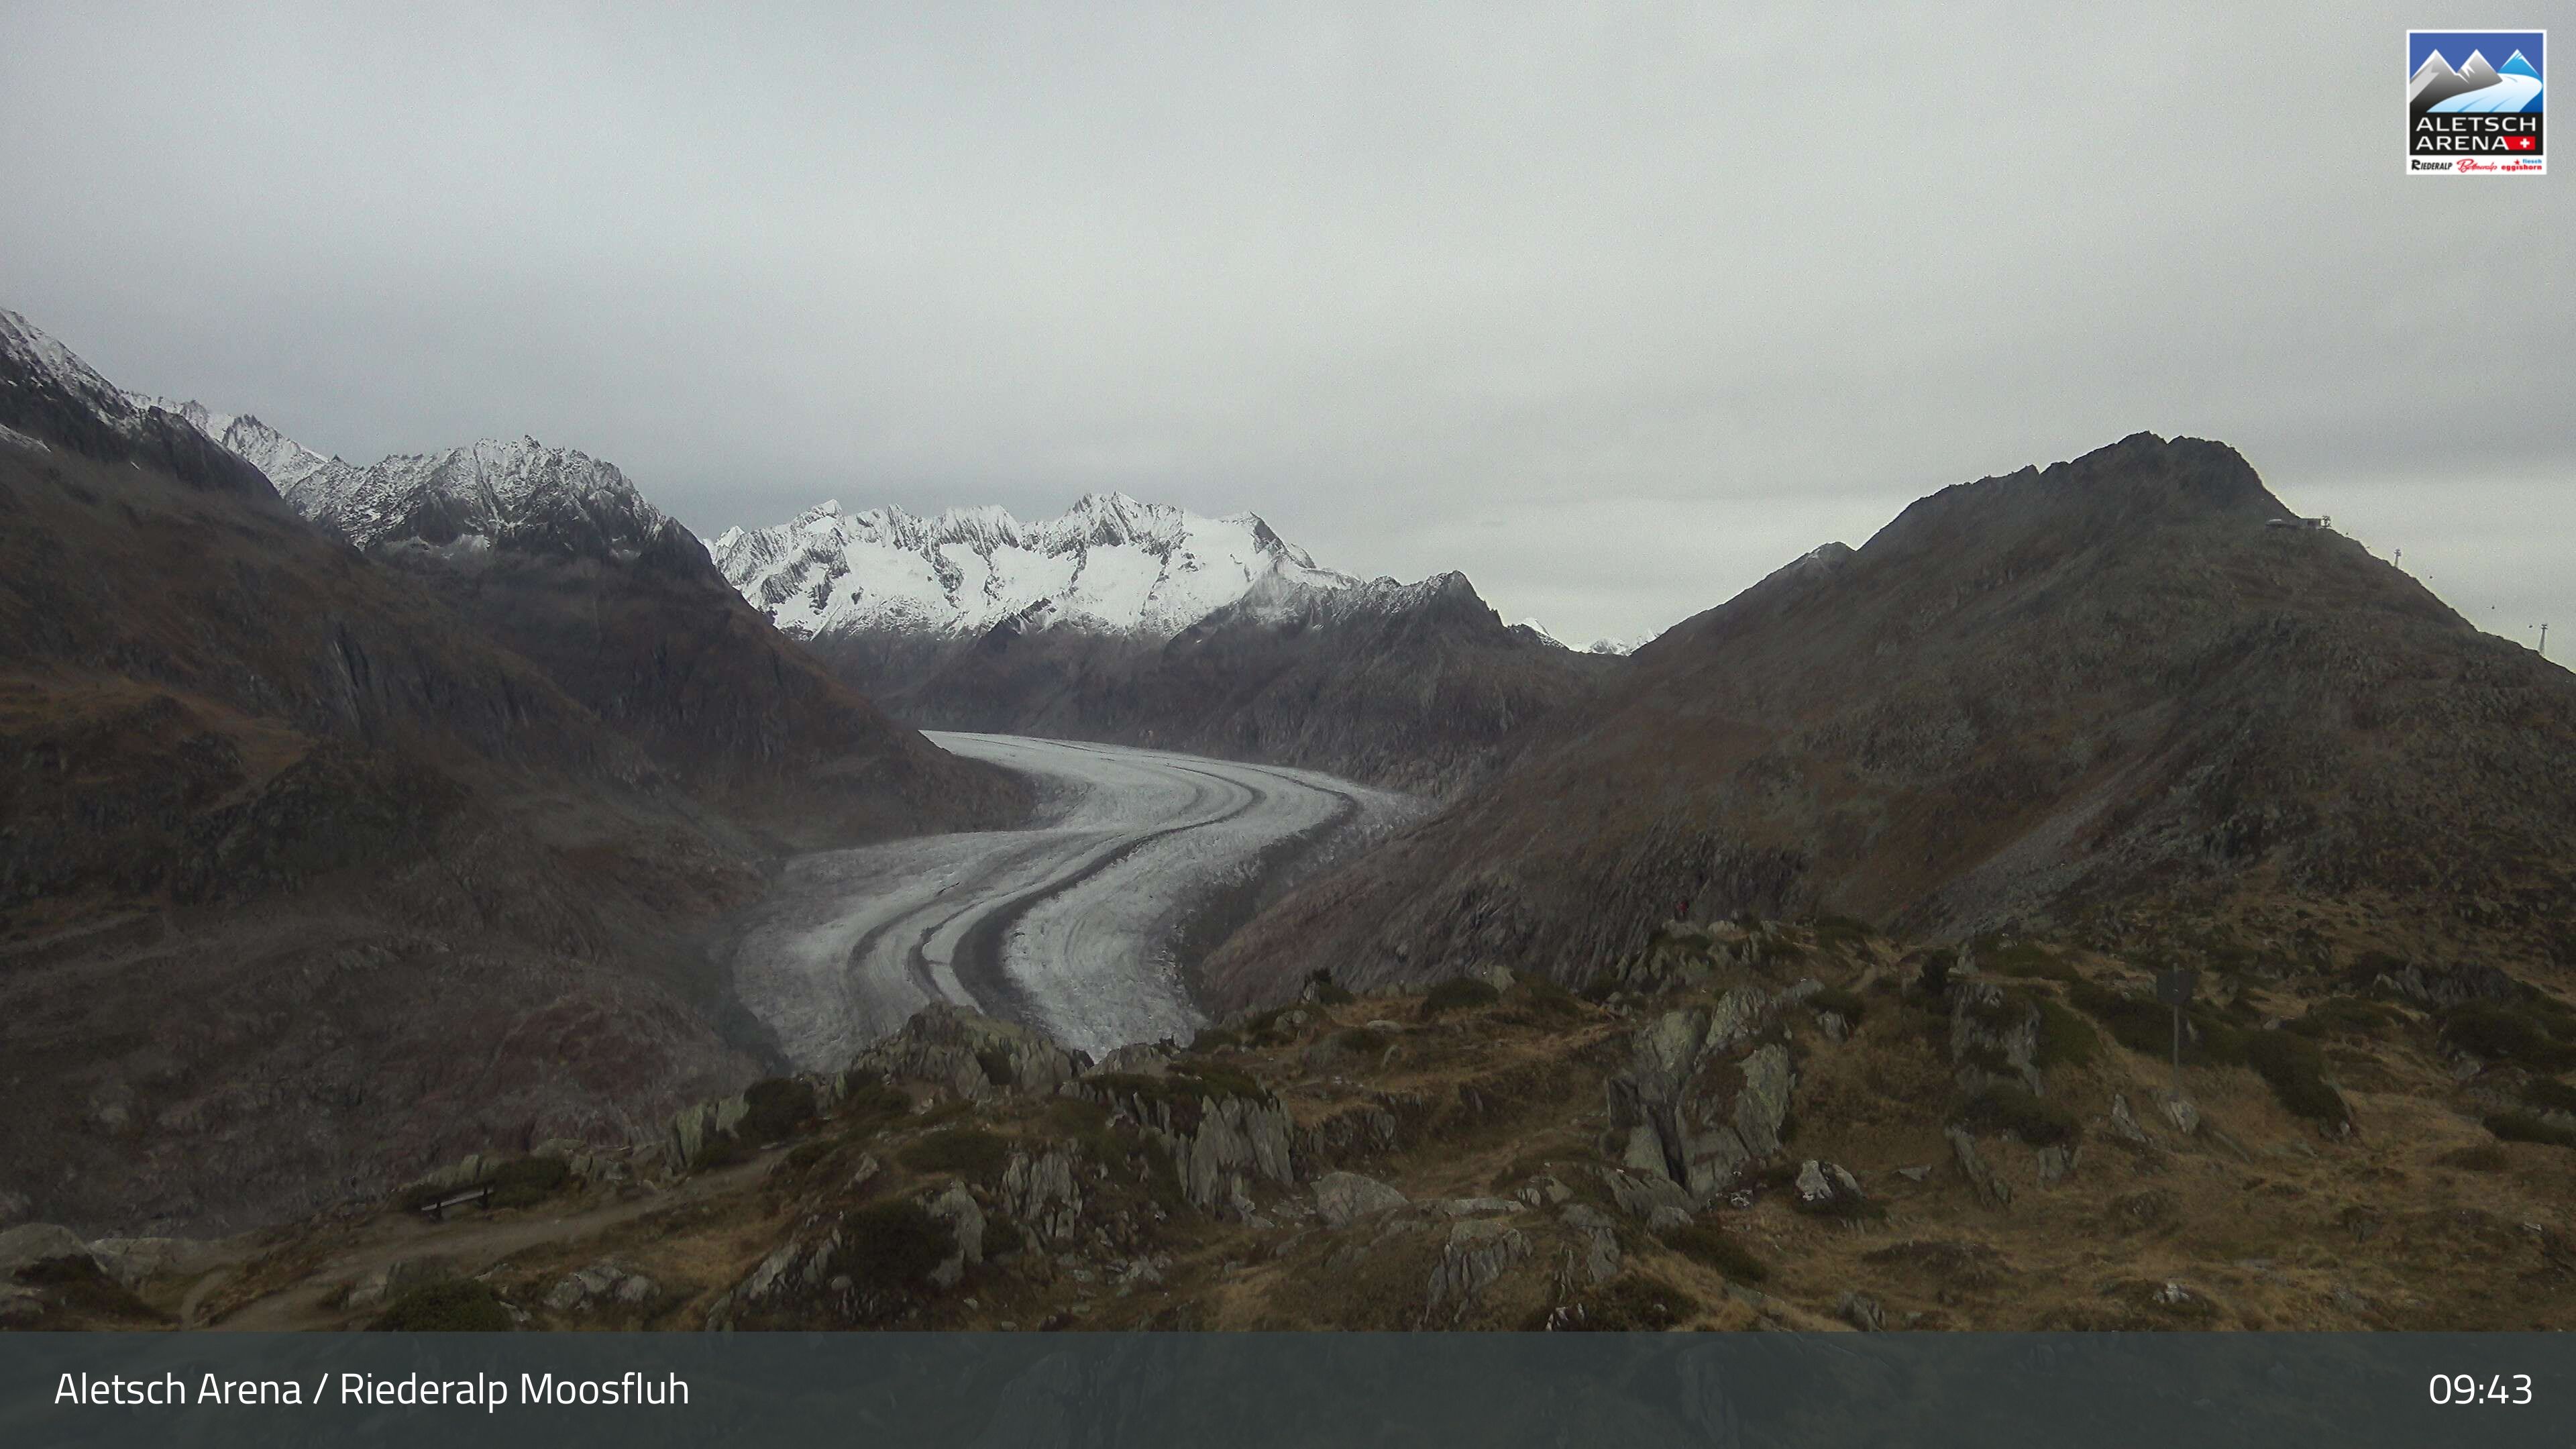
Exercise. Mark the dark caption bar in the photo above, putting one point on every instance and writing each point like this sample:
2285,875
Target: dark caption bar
1142,1390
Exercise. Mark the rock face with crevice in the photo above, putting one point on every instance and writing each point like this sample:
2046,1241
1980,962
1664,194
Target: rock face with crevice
1700,1102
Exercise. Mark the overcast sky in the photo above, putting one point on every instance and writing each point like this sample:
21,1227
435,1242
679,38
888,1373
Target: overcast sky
1614,307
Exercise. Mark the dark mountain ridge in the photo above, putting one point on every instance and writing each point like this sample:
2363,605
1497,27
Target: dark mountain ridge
1417,687
2088,695
306,883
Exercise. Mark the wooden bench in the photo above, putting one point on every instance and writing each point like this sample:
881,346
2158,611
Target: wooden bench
436,1209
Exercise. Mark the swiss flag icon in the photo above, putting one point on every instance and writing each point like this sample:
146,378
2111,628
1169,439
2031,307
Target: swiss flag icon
2522,143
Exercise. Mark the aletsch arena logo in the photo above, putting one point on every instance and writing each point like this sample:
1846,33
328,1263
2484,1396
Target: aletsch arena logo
2473,102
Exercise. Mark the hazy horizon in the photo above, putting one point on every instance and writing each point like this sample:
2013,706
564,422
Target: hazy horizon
1613,310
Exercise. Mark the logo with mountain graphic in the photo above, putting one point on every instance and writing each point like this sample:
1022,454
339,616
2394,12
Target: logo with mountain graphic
2473,100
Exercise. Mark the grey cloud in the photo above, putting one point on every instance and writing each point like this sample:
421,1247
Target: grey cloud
1673,292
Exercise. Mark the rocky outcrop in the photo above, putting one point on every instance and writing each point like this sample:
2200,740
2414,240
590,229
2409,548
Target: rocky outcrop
1991,1189
1478,1251
1828,1189
1350,1135
1994,1035
1694,1103
1040,1193
31,1245
957,1207
1600,1237
1222,1137
602,1284
1342,1198
965,1052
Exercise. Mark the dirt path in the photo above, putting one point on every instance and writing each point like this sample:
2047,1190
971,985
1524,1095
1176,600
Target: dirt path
469,1245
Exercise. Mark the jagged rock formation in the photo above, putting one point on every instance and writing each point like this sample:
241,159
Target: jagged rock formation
2102,693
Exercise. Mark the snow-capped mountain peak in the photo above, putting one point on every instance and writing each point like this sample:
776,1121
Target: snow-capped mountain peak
285,461
1110,563
30,349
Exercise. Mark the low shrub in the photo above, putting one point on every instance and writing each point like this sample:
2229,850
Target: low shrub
1714,1247
891,1244
450,1305
1837,932
1629,1303
873,1103
1547,998
2004,1107
2550,1096
1458,993
2065,1039
1937,967
2504,1033
2484,1157
2345,1018
1327,991
2530,1127
1361,1040
2026,959
778,1107
969,1152
1214,1039
529,1181
719,1150
1002,1237
2145,1025
1845,1004
2294,1068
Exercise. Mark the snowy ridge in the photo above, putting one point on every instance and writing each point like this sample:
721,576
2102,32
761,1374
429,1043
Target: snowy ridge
1111,563
496,489
28,348
283,459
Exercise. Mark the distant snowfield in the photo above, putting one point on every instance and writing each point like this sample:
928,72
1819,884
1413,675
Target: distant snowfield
1077,925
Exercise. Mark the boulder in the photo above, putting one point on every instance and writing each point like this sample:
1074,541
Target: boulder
1342,1198
1040,1193
1599,1233
1994,1036
134,1261
600,1284
1862,1312
2124,1124
956,1207
693,1127
1825,1187
1643,1195
1140,1059
1479,1250
1689,1106
1991,1189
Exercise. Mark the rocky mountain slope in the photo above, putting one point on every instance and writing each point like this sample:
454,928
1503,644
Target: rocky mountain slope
2105,695
1732,1128
1143,624
304,881
559,557
1416,687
